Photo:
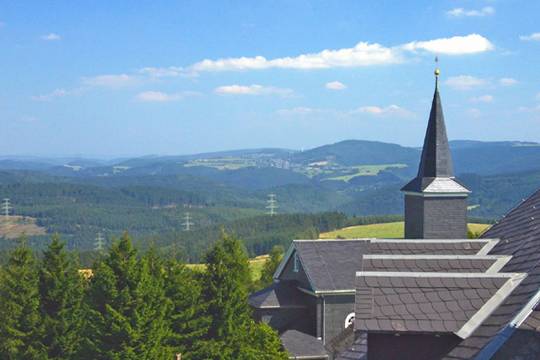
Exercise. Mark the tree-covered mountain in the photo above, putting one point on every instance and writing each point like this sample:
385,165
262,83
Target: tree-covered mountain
150,196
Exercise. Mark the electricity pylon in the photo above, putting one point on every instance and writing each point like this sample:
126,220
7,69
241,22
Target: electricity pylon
99,244
187,222
272,204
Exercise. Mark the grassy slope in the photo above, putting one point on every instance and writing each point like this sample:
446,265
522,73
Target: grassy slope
17,226
256,264
388,230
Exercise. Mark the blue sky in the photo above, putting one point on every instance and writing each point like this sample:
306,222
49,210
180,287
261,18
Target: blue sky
123,78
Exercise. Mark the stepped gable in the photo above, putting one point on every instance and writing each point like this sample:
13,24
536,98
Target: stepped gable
429,302
434,263
519,232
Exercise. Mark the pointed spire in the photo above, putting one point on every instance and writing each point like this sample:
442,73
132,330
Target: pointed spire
436,160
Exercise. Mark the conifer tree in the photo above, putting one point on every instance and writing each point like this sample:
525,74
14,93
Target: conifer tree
226,287
127,308
60,290
20,330
187,318
233,334
270,266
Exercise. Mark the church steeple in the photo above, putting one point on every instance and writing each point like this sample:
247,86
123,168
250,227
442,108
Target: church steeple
435,202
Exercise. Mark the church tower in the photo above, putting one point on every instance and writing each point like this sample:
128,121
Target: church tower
435,202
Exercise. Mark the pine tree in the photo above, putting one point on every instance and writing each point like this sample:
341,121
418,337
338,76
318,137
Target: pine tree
270,266
60,290
226,287
233,334
127,308
20,330
188,321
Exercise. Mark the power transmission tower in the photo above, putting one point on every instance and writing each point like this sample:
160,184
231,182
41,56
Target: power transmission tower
6,207
99,244
272,204
187,222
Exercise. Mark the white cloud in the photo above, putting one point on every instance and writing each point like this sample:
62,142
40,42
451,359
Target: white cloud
171,71
461,12
361,55
335,85
388,111
158,96
51,37
531,37
113,81
465,82
252,90
52,95
507,81
391,110
457,45
300,110
474,113
482,99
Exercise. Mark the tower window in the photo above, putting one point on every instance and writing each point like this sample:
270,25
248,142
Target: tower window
296,265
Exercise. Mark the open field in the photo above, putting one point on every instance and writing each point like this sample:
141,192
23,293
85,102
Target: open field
366,170
393,230
14,227
256,264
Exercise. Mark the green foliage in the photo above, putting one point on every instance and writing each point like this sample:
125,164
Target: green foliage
270,266
127,308
187,315
60,290
233,334
20,325
227,281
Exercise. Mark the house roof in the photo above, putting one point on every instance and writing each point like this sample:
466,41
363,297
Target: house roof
519,232
283,294
330,264
302,346
434,263
429,302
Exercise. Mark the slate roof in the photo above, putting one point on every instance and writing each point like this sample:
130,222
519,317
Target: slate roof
439,247
330,265
428,302
301,345
433,263
283,294
519,232
435,172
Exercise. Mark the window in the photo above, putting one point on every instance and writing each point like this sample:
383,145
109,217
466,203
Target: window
349,320
296,265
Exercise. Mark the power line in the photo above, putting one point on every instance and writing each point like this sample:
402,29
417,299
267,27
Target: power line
187,222
99,244
272,204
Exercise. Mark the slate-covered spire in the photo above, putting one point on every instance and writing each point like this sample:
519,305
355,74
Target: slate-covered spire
436,160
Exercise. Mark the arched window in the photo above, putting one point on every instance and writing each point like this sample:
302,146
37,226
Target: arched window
349,320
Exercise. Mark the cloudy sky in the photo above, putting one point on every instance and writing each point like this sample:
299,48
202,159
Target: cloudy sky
157,77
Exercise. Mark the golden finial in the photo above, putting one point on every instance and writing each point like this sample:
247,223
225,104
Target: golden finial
437,70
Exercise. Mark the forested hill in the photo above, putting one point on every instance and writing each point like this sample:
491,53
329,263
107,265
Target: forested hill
151,196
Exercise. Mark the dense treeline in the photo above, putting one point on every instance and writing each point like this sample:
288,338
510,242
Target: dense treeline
132,306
